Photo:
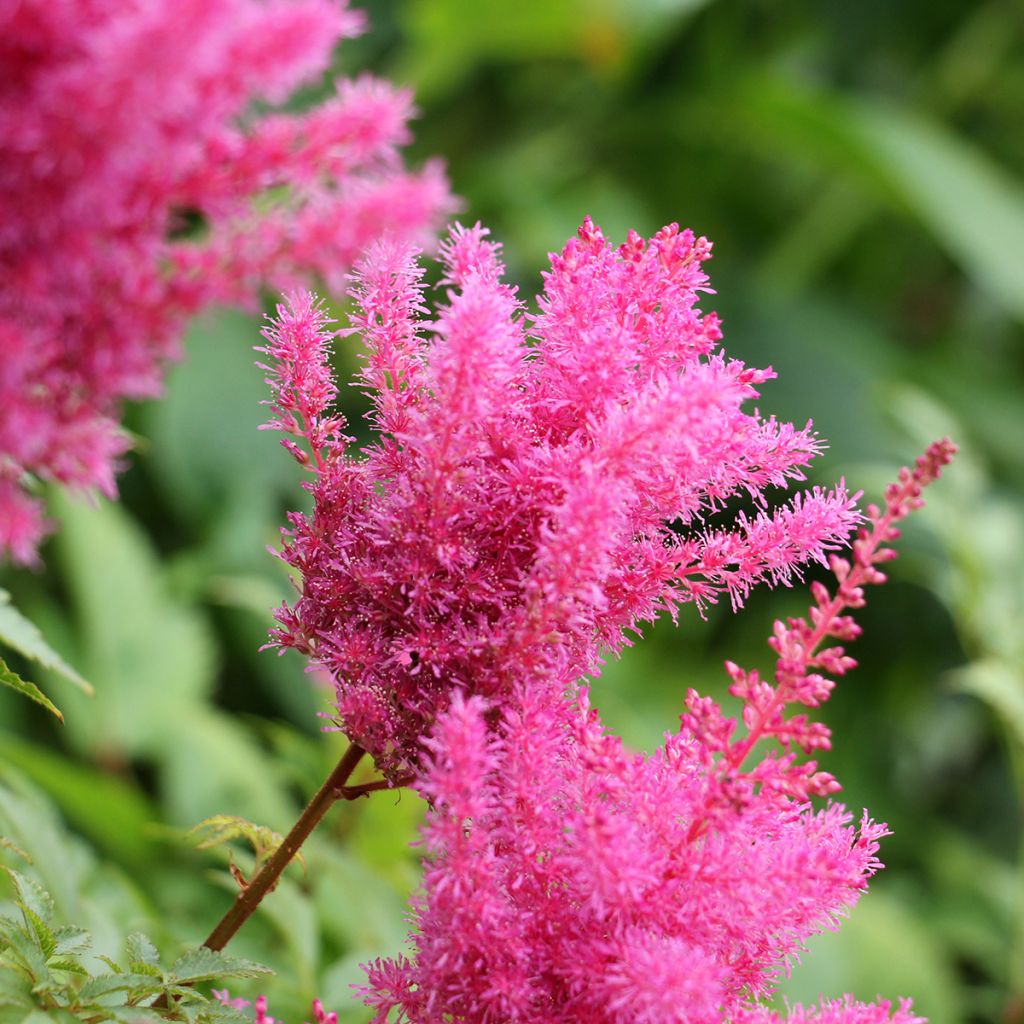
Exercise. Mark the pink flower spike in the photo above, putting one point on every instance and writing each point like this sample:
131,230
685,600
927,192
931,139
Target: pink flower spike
141,183
802,661
537,485
576,889
300,378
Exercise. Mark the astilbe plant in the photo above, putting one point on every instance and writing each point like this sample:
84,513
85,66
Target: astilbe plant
142,179
569,880
539,484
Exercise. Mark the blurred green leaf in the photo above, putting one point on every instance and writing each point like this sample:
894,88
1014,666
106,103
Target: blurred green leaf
973,208
153,654
18,632
881,949
205,433
112,812
15,682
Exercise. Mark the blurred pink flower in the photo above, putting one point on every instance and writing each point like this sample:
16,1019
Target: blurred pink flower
539,484
260,1015
141,180
567,879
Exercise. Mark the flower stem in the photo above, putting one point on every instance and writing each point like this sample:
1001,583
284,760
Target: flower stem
248,899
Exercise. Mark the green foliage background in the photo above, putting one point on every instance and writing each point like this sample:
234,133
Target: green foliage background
858,167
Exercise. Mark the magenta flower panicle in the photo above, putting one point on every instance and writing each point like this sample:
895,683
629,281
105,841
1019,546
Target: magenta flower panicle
803,665
538,484
565,881
126,127
568,880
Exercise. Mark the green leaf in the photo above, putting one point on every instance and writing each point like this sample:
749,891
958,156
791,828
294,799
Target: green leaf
140,950
202,964
127,981
71,939
15,990
110,811
972,206
9,844
153,652
23,951
22,635
27,689
31,896
223,828
40,930
71,966
52,1017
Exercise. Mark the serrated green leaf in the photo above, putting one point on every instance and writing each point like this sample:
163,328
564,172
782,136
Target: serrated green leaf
41,931
64,964
202,964
23,953
31,895
111,963
223,828
12,680
216,1013
137,985
22,635
9,844
8,925
134,1015
71,939
139,949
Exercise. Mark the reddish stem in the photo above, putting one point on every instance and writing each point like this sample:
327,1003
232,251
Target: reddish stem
248,899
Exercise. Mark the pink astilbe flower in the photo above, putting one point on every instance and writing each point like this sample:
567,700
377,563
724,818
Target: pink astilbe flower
569,880
802,662
539,484
565,880
126,125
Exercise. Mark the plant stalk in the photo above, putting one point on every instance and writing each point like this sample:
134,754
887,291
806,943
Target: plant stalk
248,899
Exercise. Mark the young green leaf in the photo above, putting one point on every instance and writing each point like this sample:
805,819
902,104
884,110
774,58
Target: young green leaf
27,689
40,931
140,950
223,828
31,894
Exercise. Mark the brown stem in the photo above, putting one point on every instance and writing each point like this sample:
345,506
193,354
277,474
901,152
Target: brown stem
366,788
248,899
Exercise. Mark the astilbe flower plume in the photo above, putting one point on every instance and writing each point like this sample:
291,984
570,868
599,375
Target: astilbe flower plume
569,880
538,484
139,183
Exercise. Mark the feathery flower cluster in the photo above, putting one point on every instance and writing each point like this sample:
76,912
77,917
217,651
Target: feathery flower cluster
139,184
539,484
569,880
